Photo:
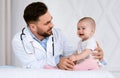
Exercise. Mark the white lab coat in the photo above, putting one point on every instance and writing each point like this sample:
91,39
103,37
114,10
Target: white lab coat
35,56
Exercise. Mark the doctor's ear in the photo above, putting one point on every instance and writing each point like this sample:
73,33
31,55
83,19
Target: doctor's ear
32,27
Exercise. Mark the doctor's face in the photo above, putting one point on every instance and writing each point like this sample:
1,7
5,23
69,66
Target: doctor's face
43,27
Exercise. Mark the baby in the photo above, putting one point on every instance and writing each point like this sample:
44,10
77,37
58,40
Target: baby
83,56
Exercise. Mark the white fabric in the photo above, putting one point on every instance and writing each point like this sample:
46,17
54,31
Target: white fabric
88,44
39,57
42,73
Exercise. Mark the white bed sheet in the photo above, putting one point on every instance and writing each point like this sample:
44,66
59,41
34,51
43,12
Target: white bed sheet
43,73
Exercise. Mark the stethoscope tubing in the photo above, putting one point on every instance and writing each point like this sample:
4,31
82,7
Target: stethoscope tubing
21,37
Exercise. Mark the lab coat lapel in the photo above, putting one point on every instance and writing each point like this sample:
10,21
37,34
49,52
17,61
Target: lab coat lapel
31,40
37,45
49,46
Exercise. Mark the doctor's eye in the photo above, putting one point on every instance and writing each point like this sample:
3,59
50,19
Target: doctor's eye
47,23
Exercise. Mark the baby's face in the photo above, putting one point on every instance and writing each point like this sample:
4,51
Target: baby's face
84,30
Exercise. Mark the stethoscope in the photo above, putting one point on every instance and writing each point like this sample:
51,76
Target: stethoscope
21,37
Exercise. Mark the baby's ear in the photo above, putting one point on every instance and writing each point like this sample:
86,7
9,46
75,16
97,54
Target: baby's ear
93,30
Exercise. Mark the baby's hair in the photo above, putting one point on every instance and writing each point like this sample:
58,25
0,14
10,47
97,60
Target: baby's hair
90,20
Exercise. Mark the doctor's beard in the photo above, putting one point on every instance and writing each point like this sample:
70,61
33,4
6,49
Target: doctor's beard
45,34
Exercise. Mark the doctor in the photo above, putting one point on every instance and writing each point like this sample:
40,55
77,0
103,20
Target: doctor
39,43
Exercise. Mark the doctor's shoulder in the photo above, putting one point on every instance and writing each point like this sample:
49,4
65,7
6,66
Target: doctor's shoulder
58,33
16,36
20,34
16,39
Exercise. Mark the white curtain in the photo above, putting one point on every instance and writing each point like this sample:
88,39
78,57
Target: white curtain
5,32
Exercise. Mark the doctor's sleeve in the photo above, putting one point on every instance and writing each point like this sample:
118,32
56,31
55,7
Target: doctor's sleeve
22,59
68,48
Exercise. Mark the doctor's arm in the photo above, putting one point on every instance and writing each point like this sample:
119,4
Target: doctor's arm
22,58
99,54
65,63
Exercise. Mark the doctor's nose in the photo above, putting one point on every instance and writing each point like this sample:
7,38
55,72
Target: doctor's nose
51,24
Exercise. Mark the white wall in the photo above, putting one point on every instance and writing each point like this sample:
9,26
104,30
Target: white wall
66,14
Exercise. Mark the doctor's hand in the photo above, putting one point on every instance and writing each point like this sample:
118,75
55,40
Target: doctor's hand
65,64
98,54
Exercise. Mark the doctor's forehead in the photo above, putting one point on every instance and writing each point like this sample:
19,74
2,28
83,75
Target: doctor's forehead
46,17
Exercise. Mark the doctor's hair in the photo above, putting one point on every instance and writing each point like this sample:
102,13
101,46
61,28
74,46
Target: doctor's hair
33,11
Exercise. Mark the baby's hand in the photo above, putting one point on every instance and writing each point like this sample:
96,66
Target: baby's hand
73,58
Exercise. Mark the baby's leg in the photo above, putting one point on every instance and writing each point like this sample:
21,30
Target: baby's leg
87,64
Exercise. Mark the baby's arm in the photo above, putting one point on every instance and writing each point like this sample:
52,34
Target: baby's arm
82,55
72,57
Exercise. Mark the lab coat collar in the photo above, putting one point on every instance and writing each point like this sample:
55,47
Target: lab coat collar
35,43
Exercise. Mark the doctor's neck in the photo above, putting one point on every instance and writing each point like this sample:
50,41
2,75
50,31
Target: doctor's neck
37,35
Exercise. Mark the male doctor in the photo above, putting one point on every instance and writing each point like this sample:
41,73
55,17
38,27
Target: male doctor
40,44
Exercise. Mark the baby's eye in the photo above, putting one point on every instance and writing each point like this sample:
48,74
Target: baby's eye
78,28
83,28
